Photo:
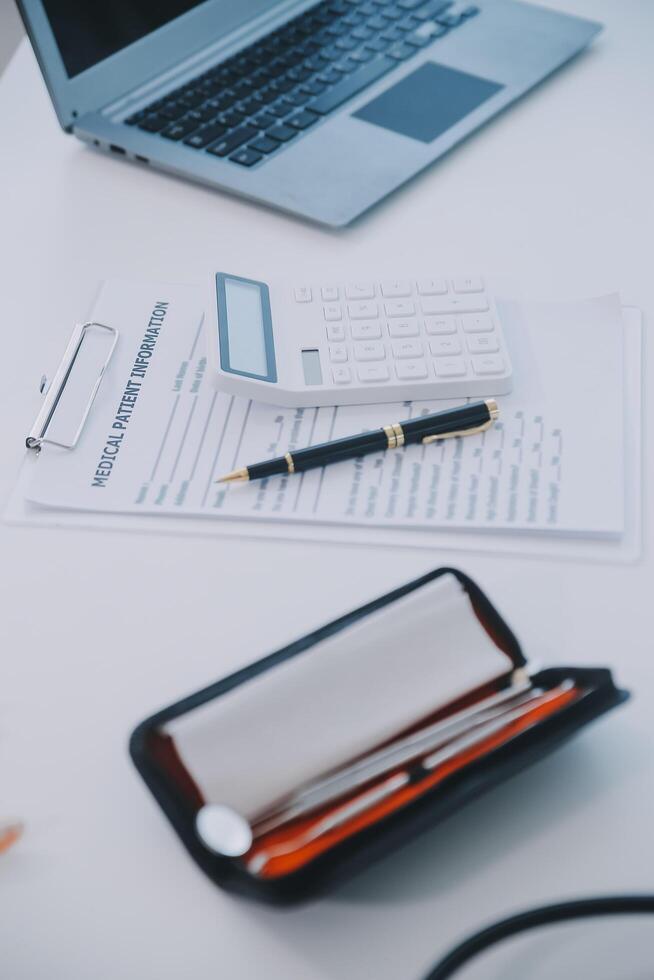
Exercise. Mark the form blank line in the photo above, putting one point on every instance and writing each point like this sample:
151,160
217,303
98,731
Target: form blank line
203,436
163,441
220,445
195,342
240,438
183,439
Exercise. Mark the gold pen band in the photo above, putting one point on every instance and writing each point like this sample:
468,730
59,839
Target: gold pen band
289,462
394,435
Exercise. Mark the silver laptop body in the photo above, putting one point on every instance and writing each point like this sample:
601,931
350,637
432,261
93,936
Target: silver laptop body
112,62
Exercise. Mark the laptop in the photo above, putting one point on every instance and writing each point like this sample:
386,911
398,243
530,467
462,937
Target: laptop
320,109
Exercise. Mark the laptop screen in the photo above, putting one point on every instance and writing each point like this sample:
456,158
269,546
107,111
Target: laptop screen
88,32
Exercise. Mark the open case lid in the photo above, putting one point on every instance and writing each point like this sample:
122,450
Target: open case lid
182,788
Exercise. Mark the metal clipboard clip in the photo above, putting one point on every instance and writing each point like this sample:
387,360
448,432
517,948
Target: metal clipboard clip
53,392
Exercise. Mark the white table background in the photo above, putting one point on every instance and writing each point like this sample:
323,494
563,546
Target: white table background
98,630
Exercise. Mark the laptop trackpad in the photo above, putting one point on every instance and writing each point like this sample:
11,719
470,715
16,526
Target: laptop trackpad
428,101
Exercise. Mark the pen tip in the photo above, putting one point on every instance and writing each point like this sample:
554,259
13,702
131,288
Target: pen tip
234,476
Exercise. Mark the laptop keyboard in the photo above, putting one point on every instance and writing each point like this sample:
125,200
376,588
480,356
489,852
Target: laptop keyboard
247,108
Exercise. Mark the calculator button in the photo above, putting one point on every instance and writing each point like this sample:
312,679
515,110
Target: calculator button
329,293
407,348
470,285
411,370
341,375
403,328
396,287
488,364
483,343
445,346
472,303
440,324
362,311
338,353
477,322
335,332
303,294
365,331
399,307
372,372
332,311
432,287
370,351
450,367
360,290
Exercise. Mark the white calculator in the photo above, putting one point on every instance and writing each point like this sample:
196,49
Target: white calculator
351,343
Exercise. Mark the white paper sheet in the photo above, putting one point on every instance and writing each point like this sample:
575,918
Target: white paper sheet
542,469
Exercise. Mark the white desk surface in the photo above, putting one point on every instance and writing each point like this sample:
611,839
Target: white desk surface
98,630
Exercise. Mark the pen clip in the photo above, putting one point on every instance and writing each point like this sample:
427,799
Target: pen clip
459,432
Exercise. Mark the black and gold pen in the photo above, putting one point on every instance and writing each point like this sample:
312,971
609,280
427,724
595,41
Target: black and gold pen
463,421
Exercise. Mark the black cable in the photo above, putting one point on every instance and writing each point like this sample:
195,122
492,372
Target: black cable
545,915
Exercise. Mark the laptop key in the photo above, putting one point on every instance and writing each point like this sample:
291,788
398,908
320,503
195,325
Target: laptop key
153,123
281,133
136,117
431,9
202,114
202,137
281,109
425,34
450,20
378,44
250,107
171,110
362,55
282,85
330,76
232,141
264,145
351,86
314,87
299,73
266,95
191,98
303,119
264,120
392,34
297,98
246,157
231,118
178,130
222,101
401,51
243,89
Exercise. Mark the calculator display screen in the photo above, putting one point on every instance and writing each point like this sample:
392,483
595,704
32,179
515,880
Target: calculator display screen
247,343
245,328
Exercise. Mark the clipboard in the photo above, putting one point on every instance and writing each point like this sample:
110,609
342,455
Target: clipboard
54,391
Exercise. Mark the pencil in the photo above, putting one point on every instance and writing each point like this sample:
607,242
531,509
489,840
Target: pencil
9,834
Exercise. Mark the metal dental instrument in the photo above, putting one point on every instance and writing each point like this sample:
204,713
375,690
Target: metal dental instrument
398,754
